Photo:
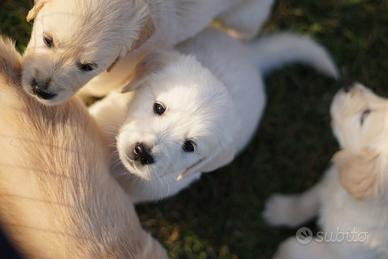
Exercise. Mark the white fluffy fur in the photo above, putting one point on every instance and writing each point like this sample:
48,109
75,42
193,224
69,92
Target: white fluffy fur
57,197
101,31
244,20
363,139
214,95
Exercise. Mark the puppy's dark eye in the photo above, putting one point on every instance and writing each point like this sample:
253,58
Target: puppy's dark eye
87,67
364,115
189,146
159,108
48,41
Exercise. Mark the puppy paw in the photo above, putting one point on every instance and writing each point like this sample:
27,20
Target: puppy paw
278,210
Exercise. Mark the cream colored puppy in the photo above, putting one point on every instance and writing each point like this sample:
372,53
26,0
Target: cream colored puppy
58,199
352,197
195,108
73,41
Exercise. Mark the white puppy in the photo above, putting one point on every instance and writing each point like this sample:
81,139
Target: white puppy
73,41
352,197
195,109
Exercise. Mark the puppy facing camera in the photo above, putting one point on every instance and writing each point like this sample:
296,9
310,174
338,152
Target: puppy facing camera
351,198
192,110
58,62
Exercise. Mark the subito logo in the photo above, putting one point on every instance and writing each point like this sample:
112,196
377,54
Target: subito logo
304,236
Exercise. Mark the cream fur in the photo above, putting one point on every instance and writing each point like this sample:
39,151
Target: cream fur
353,194
58,199
100,31
214,96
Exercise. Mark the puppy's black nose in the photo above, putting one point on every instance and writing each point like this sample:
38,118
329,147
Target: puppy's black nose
347,88
142,153
39,88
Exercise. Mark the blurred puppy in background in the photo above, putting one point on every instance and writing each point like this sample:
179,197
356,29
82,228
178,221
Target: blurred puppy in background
57,197
352,196
58,61
195,108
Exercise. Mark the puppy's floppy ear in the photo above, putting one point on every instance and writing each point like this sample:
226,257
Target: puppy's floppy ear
147,31
220,158
360,173
35,9
113,64
224,155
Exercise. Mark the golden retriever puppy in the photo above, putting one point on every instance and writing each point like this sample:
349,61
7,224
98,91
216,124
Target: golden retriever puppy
351,200
195,108
73,41
57,198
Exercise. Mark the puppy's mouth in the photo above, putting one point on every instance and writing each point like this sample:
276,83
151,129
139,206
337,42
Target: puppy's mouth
43,94
132,167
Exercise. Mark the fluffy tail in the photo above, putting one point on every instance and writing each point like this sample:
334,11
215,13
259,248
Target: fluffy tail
274,51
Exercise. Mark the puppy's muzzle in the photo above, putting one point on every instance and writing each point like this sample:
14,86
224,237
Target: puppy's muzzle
39,88
142,153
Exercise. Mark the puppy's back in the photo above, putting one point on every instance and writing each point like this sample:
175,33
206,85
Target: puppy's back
57,198
35,162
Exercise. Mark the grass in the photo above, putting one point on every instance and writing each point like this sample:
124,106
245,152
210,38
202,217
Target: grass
220,217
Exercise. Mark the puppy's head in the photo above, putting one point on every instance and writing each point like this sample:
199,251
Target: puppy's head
181,121
360,123
73,41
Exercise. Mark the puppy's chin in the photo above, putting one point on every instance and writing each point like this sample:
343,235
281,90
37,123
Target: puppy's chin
57,100
133,170
337,104
52,102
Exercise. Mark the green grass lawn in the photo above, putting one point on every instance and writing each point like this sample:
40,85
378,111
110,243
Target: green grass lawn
220,216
